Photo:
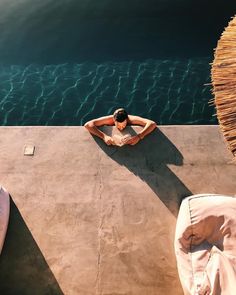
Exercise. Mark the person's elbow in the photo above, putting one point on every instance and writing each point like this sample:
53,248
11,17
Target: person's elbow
152,125
89,125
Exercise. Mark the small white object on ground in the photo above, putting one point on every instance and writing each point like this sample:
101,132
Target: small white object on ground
29,150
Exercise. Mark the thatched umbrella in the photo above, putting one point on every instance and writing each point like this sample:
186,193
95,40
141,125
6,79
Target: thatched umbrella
223,75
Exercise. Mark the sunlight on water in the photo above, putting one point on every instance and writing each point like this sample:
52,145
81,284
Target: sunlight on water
65,62
167,91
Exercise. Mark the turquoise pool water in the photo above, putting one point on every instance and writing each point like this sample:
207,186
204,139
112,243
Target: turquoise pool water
171,92
65,62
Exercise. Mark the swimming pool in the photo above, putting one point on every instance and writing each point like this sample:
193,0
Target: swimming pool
65,62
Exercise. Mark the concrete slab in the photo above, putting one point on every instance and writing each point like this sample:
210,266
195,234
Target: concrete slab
87,218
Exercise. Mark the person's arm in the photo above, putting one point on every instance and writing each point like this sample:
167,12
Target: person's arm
92,125
148,125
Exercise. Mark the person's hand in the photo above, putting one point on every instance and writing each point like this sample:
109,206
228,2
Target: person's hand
108,140
125,139
133,140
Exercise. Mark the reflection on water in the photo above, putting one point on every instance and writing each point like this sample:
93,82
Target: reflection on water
168,91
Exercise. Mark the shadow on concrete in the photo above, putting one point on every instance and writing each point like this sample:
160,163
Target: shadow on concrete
23,269
149,160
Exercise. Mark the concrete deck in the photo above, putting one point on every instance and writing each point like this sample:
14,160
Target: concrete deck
91,219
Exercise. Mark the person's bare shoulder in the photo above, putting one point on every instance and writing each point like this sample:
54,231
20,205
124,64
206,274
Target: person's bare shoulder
136,120
106,120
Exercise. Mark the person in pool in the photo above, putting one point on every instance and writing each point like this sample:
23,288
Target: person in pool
120,119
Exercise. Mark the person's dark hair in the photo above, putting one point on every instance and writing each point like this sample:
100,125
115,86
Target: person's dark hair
120,115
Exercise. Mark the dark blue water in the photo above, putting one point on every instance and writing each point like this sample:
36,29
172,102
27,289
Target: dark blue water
65,62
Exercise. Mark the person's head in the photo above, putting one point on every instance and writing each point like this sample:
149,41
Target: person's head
120,117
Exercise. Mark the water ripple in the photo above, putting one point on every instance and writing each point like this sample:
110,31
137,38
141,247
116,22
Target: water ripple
167,91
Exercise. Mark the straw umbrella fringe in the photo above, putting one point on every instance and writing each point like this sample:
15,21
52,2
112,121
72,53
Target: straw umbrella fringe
223,77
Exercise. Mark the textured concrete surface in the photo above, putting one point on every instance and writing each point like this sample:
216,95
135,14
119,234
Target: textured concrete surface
91,219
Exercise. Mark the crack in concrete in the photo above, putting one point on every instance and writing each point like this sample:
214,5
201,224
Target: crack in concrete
98,277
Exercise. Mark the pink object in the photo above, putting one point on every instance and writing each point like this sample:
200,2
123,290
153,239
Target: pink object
4,214
205,245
